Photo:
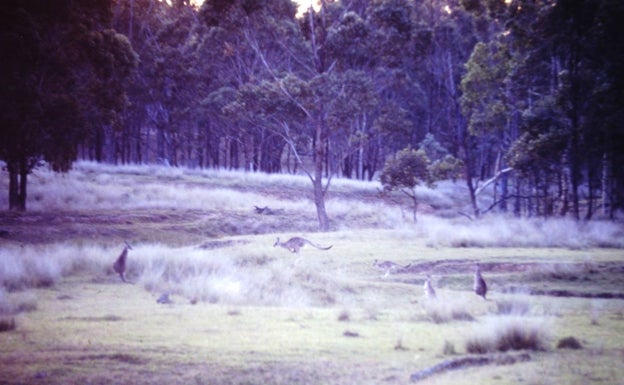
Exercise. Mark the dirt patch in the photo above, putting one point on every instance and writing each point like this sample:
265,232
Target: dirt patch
218,244
574,293
120,357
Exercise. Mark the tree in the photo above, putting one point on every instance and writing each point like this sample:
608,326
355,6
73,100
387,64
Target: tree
404,172
59,65
410,168
486,104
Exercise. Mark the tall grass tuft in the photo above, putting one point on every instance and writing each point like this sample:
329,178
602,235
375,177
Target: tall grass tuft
7,323
224,276
23,267
502,334
198,274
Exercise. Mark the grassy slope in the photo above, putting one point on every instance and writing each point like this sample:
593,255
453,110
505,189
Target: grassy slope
286,321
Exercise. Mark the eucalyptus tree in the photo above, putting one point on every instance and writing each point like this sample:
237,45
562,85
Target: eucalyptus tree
247,42
488,110
157,125
578,38
62,71
567,78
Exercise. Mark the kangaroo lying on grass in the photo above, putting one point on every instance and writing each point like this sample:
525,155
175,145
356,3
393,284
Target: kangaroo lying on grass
295,244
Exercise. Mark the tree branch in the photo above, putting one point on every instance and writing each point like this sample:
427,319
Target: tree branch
493,179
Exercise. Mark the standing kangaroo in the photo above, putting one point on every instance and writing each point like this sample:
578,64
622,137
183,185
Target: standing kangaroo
120,264
480,287
296,243
429,290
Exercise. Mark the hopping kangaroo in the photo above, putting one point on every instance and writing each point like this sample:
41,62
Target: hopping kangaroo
120,264
296,243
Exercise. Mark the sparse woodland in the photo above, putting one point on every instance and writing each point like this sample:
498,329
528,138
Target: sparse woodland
522,95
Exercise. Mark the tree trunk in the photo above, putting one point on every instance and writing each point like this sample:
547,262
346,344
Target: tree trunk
469,175
18,174
604,185
22,189
13,186
317,181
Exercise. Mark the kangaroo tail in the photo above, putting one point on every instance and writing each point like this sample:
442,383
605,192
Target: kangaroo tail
319,247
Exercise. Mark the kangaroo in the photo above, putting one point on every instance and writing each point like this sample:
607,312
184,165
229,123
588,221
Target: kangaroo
480,287
295,244
429,290
120,264
389,267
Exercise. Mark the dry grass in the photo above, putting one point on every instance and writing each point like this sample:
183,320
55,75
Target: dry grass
448,310
502,231
266,315
199,203
245,312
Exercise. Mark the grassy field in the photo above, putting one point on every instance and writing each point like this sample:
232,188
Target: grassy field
244,312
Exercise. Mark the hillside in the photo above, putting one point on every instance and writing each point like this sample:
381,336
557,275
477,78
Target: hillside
180,206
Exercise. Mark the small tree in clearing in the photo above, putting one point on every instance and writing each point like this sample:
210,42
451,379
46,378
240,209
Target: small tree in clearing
409,168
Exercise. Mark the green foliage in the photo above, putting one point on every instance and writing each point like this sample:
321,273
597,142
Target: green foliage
408,169
448,167
430,163
542,144
483,99
67,80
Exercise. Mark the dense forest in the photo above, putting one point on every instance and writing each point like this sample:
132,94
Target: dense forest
521,96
